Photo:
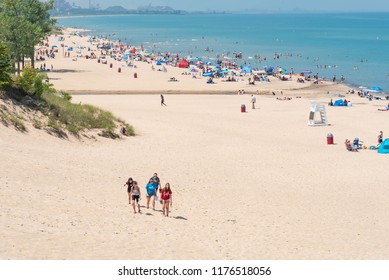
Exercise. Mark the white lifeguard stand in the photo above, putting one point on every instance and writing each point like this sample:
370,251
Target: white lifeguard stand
317,110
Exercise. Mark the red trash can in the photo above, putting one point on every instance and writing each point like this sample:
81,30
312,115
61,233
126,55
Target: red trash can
330,139
119,69
110,65
135,75
243,108
98,61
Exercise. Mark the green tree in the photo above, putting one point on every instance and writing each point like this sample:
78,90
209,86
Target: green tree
25,23
5,66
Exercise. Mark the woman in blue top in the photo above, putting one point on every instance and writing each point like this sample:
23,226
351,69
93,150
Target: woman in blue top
151,189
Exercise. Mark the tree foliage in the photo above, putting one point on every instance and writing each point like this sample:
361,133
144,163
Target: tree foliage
24,24
5,67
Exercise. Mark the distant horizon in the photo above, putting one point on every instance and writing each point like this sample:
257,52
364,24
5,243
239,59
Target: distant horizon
331,6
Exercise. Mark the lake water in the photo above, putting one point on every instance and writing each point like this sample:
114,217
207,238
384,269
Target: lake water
353,45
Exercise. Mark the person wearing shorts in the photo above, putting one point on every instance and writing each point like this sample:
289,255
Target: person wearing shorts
166,198
135,196
151,192
129,185
156,181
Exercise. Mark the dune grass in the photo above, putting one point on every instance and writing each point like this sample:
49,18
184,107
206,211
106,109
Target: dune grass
76,118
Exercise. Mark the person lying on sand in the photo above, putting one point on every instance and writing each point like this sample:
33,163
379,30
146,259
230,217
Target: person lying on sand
385,109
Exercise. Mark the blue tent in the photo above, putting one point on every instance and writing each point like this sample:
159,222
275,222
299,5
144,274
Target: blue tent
246,69
70,49
339,102
384,147
159,62
269,70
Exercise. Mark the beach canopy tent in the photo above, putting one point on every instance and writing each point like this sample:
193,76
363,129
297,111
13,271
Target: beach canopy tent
246,69
70,49
183,64
384,147
339,102
269,70
259,72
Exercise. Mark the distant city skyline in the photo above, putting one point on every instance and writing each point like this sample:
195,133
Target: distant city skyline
250,5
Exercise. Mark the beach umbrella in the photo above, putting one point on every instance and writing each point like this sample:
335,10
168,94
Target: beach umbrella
281,70
70,49
208,74
307,72
376,88
54,47
225,71
209,63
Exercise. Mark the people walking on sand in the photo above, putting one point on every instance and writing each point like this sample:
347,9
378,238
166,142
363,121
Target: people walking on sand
151,193
166,198
156,181
253,101
163,100
129,185
380,138
334,79
135,196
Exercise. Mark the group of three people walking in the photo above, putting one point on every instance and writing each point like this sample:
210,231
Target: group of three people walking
152,188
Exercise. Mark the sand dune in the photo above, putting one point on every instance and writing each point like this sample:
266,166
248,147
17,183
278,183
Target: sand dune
259,185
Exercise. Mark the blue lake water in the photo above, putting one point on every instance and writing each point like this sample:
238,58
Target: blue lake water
353,45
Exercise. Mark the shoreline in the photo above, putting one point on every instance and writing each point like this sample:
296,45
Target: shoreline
76,74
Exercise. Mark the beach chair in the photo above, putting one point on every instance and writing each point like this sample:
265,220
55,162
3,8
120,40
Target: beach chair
357,143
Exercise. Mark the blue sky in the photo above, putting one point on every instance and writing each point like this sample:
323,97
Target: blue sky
265,5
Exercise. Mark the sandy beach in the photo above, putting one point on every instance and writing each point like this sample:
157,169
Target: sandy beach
77,74
255,185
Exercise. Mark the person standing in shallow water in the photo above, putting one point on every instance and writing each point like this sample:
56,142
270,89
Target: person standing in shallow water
163,100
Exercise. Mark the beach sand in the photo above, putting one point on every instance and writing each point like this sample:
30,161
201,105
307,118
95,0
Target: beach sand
255,185
80,75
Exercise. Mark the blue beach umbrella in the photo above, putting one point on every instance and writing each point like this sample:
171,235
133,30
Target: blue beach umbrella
208,74
376,88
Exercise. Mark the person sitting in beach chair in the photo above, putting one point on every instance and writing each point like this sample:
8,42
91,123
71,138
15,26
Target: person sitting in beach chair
349,147
357,143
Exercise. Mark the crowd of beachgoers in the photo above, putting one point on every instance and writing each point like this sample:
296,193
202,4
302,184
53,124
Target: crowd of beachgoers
228,69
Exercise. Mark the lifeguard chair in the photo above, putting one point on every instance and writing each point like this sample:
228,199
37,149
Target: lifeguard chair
317,115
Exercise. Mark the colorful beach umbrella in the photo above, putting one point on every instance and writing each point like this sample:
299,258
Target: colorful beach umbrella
307,72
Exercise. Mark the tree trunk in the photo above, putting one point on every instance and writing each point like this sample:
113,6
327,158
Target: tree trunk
32,57
23,62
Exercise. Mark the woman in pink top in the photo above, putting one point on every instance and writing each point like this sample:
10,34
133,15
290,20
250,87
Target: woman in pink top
166,198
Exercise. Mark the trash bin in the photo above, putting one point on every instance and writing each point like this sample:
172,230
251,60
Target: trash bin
110,65
98,61
135,75
119,69
330,139
243,108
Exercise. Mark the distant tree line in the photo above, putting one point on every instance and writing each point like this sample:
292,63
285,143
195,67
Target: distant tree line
24,24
